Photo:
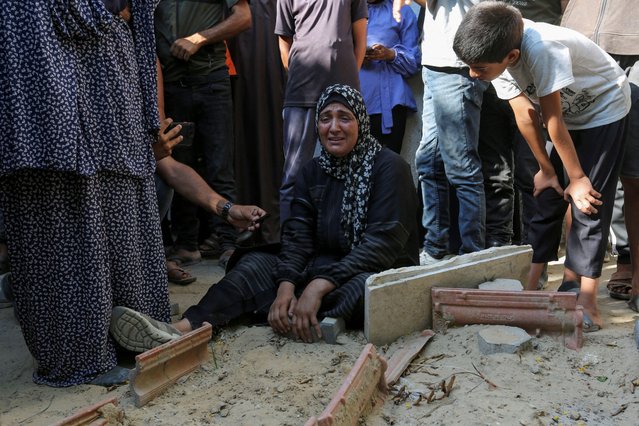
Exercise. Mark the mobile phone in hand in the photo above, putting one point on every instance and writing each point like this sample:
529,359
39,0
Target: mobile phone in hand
187,132
246,235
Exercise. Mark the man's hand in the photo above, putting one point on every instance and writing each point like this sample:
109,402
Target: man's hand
281,312
305,312
544,180
166,141
184,48
379,52
245,217
398,4
583,195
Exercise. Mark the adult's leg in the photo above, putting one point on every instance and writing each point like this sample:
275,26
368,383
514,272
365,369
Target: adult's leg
347,301
300,139
630,180
75,248
184,221
631,194
214,129
395,138
432,178
248,287
457,100
496,136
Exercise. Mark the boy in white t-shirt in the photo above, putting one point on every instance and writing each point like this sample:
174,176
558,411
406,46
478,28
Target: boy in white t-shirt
583,96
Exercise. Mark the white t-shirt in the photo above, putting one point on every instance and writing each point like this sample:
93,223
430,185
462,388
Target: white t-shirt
441,20
594,90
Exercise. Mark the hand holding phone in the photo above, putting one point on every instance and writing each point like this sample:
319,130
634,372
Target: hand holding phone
246,235
187,132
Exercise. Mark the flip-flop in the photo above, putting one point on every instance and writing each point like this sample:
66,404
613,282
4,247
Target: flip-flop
182,259
620,288
588,325
210,248
570,286
179,276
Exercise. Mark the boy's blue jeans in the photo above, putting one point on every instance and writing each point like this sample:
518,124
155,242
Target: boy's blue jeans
447,154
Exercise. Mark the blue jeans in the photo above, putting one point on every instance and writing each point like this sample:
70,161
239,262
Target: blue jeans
448,155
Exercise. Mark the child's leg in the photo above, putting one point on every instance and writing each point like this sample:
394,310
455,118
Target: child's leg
546,226
536,270
600,152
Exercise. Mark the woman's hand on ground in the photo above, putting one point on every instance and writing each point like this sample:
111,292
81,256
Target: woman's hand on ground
544,180
281,312
166,141
305,312
584,196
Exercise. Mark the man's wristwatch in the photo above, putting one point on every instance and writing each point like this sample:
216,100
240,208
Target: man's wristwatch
226,209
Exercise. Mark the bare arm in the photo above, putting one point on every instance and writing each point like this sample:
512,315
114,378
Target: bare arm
359,41
239,20
528,124
285,48
191,186
580,188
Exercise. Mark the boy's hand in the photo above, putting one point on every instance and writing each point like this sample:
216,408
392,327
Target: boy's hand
544,180
583,195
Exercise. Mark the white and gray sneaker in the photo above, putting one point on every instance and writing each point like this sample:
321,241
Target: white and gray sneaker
138,332
426,259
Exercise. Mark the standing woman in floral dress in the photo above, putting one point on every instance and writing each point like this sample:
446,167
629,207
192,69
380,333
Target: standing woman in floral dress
78,109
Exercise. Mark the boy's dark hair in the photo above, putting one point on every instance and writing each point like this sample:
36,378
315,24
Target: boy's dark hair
488,32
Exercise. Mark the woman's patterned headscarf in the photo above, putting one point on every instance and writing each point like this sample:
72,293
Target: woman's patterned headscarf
354,169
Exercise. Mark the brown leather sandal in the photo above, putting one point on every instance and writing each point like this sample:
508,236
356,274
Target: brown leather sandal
178,275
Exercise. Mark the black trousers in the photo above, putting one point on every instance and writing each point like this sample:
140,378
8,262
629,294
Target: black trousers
206,101
600,153
394,139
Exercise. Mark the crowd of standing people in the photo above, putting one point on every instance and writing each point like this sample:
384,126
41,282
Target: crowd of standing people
526,126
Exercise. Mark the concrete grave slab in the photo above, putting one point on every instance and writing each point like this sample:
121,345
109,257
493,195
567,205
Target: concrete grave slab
398,302
502,284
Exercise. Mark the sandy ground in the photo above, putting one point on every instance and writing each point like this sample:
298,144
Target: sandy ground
257,378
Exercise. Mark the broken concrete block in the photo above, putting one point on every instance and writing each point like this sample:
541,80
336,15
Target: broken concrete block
331,328
504,284
398,302
503,339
